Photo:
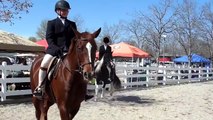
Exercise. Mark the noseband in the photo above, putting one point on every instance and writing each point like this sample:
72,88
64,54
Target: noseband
80,70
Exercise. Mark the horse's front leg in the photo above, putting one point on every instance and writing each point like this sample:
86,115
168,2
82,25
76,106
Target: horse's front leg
42,108
64,112
96,91
74,112
103,90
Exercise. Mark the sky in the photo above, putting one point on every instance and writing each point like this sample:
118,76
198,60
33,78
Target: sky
95,14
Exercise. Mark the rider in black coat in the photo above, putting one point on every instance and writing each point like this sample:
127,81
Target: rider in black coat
58,35
106,51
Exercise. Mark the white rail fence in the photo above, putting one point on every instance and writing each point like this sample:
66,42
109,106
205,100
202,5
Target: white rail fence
152,76
129,76
9,77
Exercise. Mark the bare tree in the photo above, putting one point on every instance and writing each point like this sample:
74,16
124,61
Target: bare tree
113,32
136,32
187,21
11,9
79,22
41,31
206,28
33,39
158,23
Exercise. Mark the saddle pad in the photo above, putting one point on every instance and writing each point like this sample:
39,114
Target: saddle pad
51,68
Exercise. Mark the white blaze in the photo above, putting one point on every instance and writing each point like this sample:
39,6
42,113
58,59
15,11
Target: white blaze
89,48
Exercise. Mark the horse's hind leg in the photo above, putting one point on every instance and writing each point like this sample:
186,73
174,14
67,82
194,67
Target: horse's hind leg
102,92
109,72
112,89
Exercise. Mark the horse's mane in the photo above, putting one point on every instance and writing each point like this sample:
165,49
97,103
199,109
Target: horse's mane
73,45
99,64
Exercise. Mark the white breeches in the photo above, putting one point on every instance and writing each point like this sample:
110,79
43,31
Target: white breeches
46,60
44,64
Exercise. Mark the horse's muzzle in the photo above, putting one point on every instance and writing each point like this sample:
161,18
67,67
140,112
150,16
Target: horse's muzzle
88,75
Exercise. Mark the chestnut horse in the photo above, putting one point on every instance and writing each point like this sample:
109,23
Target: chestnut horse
68,87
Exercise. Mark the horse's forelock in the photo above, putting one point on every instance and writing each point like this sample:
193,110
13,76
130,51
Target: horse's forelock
88,36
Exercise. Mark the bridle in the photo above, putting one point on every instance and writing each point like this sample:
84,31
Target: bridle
89,47
80,69
81,66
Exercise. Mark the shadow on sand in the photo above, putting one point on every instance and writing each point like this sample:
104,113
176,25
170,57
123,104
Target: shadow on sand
128,100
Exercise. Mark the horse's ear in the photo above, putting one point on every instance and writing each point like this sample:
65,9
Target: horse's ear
77,34
96,33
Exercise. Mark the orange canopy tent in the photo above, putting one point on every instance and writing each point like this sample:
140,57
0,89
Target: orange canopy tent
42,43
126,50
119,50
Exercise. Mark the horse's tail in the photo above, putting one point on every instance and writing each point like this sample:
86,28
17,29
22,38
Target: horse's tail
116,82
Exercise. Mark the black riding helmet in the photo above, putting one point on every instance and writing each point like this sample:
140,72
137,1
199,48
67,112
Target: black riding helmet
106,40
62,4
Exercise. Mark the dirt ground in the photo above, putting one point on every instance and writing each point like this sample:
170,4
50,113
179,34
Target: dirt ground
179,102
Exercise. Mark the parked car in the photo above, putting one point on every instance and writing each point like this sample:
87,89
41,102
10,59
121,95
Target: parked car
7,59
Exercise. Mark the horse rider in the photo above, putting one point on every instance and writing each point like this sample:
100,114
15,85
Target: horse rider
105,49
59,34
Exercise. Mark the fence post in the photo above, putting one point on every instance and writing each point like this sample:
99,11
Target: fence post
207,73
200,72
164,75
4,85
190,75
147,76
179,74
125,81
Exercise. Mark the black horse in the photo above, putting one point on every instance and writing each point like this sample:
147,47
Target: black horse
106,74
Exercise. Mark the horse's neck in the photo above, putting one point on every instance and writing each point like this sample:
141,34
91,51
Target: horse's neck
71,60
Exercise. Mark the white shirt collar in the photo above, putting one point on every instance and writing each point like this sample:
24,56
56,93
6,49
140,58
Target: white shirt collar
105,46
62,19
